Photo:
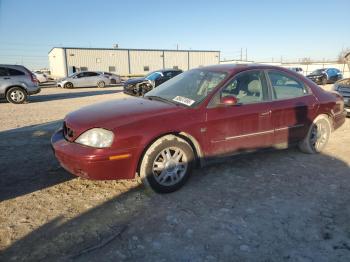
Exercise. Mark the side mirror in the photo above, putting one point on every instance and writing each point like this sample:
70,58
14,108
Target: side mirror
229,100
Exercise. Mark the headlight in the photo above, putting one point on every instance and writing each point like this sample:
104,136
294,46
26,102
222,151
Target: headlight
96,137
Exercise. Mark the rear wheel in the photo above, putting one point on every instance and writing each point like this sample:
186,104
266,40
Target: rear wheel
101,84
16,95
68,85
317,136
167,164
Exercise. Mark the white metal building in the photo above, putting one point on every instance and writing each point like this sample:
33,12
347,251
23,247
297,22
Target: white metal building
66,60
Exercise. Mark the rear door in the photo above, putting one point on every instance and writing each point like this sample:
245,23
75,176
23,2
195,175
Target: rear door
244,126
293,108
93,78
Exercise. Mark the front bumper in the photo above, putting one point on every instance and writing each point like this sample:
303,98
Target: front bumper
131,90
93,163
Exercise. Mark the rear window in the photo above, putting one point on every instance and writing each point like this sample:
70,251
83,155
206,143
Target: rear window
15,72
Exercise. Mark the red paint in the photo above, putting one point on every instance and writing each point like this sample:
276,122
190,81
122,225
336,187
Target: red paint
137,122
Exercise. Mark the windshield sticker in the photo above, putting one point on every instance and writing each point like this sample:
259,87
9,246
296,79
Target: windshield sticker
184,100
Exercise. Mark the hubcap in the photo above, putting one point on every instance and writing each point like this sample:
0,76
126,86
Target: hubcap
319,136
17,96
170,166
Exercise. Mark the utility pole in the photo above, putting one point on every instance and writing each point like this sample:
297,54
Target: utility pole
246,54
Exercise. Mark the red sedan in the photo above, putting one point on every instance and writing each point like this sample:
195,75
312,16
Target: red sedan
199,115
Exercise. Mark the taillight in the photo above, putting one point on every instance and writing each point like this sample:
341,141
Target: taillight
34,79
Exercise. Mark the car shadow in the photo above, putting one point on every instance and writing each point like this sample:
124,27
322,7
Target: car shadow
69,95
269,200
27,163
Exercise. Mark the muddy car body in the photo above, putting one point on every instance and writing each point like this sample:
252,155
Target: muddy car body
197,116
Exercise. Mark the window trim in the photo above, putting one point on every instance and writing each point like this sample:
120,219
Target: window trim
262,71
271,89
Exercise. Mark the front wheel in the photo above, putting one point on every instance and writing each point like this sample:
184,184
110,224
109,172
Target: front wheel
16,95
317,136
68,85
101,84
167,164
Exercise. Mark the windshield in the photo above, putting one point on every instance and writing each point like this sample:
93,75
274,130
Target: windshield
153,76
74,74
189,88
317,72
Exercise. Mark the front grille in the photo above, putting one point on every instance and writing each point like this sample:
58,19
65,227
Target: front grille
67,132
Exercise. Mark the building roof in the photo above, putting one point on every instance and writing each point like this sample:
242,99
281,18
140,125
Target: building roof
130,49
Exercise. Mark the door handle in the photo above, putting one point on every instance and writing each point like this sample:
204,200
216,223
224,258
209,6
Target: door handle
265,113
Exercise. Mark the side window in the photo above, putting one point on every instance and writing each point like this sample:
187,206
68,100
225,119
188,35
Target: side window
248,87
91,74
3,71
14,72
285,86
80,75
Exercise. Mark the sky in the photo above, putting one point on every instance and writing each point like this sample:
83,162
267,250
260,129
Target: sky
270,29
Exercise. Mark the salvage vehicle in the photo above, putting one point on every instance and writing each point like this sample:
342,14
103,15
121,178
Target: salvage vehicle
325,76
85,79
343,87
17,83
140,86
198,116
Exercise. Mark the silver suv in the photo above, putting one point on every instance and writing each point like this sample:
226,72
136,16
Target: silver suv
16,83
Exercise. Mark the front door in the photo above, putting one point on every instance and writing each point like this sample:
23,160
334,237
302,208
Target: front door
244,126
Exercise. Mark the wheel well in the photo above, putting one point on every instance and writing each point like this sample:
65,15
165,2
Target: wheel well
188,138
21,87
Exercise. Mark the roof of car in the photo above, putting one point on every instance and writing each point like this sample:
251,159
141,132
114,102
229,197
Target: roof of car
231,68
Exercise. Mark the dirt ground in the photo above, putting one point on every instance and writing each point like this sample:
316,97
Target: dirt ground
267,206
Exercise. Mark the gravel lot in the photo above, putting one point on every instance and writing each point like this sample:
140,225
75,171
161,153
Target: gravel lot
267,206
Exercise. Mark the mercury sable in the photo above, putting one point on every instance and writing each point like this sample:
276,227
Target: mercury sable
197,116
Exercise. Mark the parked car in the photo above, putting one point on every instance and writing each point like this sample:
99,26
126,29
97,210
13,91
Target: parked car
197,116
343,88
325,76
17,83
84,79
140,86
42,78
114,79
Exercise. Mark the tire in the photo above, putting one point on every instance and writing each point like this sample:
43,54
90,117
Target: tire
317,136
68,85
101,84
16,95
167,164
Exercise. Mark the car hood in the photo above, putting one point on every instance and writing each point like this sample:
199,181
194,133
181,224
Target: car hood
63,79
134,80
343,83
116,113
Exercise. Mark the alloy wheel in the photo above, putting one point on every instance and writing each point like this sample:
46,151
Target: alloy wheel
170,166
